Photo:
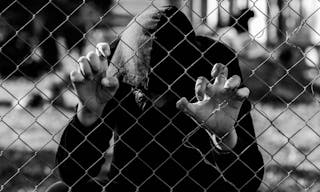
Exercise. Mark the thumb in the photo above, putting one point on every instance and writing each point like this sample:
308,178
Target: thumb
76,77
184,105
111,83
243,93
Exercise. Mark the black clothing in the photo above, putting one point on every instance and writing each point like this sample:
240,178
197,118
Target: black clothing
157,147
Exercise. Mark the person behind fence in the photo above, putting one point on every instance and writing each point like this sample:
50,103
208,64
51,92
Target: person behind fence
135,92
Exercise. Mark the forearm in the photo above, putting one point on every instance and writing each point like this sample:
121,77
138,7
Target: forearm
81,151
243,164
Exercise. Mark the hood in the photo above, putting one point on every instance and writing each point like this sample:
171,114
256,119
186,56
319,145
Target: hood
148,39
159,51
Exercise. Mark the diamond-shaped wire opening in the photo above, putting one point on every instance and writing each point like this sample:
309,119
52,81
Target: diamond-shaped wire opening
269,79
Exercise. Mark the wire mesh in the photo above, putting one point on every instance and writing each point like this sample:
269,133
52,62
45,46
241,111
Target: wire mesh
276,43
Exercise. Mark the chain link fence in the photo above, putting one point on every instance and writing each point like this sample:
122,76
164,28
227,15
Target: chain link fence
276,43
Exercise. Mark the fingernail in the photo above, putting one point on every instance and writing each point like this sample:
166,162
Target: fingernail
103,54
214,71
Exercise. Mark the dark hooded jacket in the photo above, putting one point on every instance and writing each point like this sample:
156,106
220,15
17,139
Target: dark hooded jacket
158,148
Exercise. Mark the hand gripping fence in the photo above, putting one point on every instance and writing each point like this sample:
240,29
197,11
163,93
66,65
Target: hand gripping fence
276,43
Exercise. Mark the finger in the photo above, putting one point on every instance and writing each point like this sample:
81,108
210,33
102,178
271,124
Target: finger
85,68
242,93
219,69
220,81
76,77
232,83
220,73
200,87
103,49
94,62
186,107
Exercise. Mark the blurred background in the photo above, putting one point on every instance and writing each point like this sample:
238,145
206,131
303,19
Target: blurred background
277,43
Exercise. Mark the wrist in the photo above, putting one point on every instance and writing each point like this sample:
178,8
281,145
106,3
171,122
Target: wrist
227,141
86,116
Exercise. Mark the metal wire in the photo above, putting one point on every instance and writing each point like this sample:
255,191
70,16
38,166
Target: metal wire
272,99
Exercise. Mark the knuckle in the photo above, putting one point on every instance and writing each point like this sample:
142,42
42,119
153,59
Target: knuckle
83,64
220,66
237,77
82,59
102,45
104,48
72,75
237,80
98,46
247,89
202,81
91,55
201,78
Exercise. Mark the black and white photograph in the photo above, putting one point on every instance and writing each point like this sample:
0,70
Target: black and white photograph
159,95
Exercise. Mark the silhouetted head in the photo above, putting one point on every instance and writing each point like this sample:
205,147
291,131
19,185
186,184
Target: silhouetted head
160,54
155,49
